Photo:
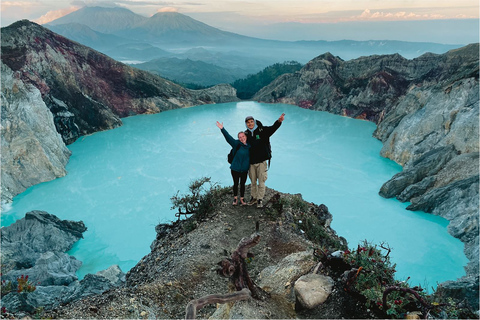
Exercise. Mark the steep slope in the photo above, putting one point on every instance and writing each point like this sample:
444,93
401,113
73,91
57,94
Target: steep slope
84,90
85,35
189,71
427,112
136,52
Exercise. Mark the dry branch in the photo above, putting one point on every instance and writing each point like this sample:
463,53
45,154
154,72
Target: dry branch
195,305
235,267
427,305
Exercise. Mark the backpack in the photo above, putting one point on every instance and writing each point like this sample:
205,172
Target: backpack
232,153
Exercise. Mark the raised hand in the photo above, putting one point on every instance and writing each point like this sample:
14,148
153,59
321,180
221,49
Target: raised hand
220,125
282,117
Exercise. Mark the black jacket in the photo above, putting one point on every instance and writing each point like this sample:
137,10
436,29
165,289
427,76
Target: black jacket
259,141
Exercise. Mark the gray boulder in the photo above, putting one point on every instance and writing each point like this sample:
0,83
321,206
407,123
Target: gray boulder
312,289
37,233
113,274
50,269
280,278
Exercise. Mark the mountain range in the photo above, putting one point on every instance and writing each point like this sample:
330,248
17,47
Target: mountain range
132,38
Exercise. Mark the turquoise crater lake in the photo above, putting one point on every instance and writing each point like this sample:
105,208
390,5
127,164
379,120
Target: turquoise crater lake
120,182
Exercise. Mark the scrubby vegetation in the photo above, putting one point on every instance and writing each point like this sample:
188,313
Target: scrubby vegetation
247,87
23,284
200,201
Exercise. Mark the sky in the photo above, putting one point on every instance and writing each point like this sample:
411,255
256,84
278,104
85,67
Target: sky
444,21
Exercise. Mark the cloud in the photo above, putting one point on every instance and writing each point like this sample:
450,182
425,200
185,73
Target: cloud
8,4
55,14
367,14
106,3
168,9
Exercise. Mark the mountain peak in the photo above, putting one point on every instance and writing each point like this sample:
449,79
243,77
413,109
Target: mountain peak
102,19
166,14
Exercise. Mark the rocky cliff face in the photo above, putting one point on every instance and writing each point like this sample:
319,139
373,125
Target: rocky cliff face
427,113
83,90
32,150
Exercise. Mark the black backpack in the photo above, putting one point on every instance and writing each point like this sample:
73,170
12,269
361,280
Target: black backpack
232,153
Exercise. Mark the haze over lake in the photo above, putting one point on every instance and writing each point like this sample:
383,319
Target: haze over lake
120,183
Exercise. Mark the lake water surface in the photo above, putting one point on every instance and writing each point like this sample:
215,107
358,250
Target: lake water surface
120,182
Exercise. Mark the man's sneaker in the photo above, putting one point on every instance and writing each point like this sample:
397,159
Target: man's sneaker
259,203
252,202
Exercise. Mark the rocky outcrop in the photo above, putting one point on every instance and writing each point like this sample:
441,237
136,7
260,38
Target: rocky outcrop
427,112
38,235
83,90
33,248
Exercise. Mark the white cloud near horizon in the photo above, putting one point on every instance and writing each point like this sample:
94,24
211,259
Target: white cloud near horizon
55,14
168,9
367,14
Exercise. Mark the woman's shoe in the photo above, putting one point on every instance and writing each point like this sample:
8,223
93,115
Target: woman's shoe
242,202
235,201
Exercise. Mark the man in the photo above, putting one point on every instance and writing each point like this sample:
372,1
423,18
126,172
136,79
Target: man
258,137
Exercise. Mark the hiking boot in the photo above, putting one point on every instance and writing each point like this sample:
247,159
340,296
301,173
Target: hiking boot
259,203
252,202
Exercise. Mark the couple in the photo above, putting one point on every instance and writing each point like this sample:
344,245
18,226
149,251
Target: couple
251,152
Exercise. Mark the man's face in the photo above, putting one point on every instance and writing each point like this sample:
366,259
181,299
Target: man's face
250,123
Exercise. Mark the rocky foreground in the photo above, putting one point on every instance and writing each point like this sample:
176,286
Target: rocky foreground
300,269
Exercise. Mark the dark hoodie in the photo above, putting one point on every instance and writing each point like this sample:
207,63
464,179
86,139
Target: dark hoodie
259,141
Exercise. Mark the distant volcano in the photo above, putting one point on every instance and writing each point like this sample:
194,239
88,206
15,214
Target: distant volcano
105,20
163,27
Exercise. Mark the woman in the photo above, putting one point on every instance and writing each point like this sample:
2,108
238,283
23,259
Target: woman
240,162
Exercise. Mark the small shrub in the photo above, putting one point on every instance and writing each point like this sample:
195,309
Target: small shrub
298,204
200,201
375,274
23,285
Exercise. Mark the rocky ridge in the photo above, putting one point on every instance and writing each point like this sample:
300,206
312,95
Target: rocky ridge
83,90
427,112
182,266
183,261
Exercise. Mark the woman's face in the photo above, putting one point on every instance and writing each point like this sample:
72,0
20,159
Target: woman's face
242,137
